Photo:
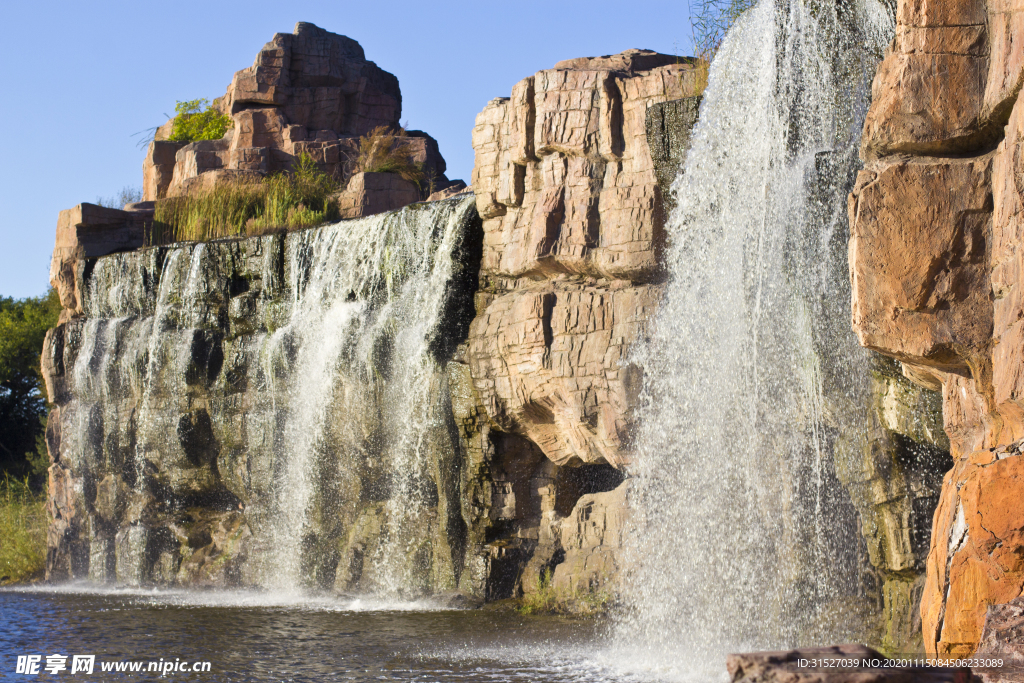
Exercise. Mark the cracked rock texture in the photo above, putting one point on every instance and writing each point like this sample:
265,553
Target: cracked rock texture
570,178
936,264
573,227
1003,638
525,483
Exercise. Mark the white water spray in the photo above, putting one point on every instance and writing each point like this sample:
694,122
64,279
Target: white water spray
744,538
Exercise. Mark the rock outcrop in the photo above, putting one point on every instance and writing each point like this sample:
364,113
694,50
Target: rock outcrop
935,267
172,437
308,92
85,232
573,214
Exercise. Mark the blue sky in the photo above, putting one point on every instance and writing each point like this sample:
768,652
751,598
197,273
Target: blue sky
81,78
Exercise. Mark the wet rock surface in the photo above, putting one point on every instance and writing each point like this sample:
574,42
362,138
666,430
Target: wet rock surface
184,416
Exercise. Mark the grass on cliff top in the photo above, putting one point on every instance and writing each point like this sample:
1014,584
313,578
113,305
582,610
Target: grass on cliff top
710,20
22,532
298,199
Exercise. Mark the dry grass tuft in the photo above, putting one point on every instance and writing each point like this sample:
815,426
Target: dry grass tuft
299,199
385,151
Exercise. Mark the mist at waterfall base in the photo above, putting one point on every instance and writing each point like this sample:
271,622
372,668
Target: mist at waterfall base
743,538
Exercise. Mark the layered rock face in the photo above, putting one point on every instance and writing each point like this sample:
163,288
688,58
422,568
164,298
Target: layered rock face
308,92
934,260
573,216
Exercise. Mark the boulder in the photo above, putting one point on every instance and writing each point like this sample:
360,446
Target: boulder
592,538
455,188
371,193
320,80
158,168
920,278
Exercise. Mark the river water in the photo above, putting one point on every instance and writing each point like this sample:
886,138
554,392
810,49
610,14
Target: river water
260,637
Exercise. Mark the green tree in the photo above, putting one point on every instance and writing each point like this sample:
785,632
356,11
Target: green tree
198,120
23,324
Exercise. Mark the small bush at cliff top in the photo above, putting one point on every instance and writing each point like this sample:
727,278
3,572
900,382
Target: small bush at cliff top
194,122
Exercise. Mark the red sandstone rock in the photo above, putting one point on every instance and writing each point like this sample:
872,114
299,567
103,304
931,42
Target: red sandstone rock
371,193
308,92
977,553
158,168
920,274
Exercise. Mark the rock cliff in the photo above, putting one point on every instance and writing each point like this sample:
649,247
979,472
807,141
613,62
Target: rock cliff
243,412
267,411
935,269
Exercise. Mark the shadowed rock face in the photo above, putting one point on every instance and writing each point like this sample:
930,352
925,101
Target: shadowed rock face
935,266
1003,638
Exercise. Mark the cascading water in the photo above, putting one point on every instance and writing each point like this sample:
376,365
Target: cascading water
368,298
744,539
293,383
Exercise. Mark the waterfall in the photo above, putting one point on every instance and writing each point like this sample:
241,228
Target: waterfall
368,298
744,538
296,380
